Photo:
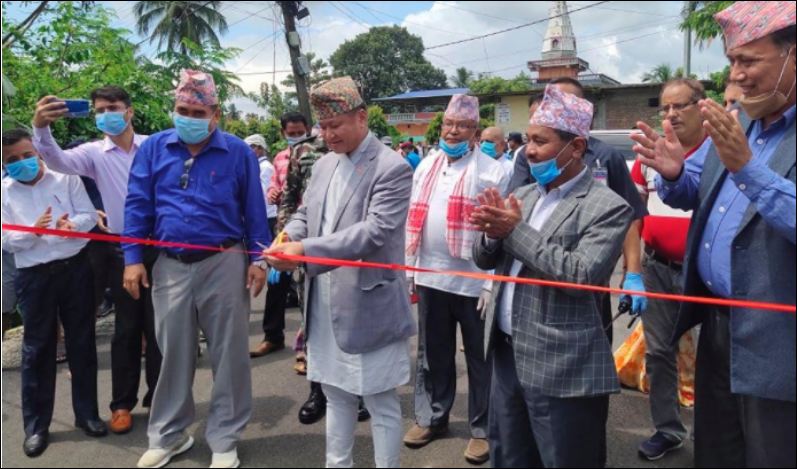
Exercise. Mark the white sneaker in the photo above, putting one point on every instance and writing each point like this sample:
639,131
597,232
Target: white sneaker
228,459
159,457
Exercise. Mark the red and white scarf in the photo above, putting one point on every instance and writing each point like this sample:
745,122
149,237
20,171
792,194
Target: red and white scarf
460,234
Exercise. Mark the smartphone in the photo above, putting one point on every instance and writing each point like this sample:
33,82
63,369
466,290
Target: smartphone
77,108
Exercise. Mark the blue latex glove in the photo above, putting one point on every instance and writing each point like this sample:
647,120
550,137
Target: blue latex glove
633,281
273,276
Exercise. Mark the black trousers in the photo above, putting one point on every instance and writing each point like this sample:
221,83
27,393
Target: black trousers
101,256
733,430
528,430
134,320
274,313
61,289
436,372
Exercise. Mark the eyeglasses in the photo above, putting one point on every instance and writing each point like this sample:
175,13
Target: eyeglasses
186,170
664,110
458,125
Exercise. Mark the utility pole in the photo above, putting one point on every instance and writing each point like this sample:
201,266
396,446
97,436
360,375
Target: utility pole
688,9
290,11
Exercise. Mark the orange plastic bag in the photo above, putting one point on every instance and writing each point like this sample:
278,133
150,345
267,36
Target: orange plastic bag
630,362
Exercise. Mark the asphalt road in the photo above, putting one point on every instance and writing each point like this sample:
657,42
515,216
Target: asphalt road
274,437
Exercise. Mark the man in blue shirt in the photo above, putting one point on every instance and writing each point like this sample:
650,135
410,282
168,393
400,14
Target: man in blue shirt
196,184
741,243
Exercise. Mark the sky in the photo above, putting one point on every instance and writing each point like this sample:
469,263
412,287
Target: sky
620,39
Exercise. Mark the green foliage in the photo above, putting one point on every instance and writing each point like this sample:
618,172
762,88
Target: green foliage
171,23
73,50
462,78
268,128
492,85
386,60
377,121
319,73
435,126
701,21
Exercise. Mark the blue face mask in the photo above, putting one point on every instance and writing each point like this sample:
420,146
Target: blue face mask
488,148
24,170
547,171
190,130
111,123
454,151
292,141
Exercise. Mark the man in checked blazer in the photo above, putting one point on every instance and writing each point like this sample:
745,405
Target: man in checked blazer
553,369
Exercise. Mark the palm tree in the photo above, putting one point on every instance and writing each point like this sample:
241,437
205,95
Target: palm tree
174,21
660,74
462,78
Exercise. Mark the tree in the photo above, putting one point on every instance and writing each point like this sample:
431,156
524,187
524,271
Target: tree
71,51
492,85
462,78
385,61
319,73
196,21
208,58
377,122
701,21
233,113
433,131
660,74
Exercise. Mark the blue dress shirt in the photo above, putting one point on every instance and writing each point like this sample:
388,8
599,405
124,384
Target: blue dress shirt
222,201
772,195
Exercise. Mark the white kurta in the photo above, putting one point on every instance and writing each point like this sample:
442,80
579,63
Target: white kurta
361,374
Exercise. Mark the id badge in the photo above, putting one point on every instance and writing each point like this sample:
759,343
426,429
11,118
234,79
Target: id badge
601,175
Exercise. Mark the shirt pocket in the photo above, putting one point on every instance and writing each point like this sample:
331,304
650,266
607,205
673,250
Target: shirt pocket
218,187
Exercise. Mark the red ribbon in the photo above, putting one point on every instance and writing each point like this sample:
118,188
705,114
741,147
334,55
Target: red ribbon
732,303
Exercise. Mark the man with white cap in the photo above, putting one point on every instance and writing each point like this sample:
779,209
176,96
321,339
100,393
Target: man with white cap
198,185
358,321
258,145
741,243
440,236
553,368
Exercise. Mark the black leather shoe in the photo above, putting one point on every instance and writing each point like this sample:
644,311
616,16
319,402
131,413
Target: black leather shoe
315,408
362,412
36,444
94,427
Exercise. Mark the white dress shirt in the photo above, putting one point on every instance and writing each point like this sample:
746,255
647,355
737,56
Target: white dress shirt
540,214
23,204
266,171
433,252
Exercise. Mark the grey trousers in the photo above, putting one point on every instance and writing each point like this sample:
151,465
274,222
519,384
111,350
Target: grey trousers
660,354
436,372
210,295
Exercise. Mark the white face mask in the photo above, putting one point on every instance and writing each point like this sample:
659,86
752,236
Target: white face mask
760,106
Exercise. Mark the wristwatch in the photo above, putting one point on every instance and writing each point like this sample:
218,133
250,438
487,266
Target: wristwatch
263,265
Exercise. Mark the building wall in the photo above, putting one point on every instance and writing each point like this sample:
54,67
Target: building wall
618,108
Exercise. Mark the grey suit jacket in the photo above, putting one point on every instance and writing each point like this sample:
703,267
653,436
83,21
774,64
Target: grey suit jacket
370,307
560,347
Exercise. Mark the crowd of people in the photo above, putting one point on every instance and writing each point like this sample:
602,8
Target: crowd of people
708,209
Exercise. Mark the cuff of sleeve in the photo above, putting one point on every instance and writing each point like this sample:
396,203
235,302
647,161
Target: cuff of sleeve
43,133
133,255
662,182
753,178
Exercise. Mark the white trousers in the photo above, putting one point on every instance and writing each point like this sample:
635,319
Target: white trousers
386,426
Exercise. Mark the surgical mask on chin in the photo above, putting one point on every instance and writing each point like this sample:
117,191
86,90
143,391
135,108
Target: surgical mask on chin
546,172
760,106
454,151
